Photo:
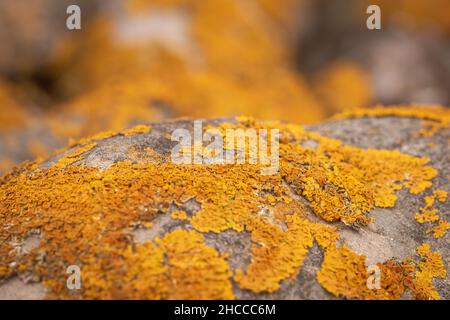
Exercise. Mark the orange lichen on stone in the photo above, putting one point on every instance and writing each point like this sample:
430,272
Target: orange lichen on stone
324,235
441,229
74,156
430,266
136,130
427,215
345,183
430,214
179,214
87,140
441,195
345,274
435,116
196,270
271,246
84,215
176,266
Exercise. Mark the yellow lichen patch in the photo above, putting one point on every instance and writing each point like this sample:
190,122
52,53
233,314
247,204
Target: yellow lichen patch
77,201
195,270
441,195
178,214
427,215
345,183
92,138
177,266
142,274
136,130
440,230
74,156
344,273
325,236
430,214
342,182
430,266
437,116
271,246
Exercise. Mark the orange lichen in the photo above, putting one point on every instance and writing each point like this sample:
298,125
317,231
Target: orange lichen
437,117
441,195
427,215
85,214
430,266
324,235
345,183
178,214
74,156
177,266
136,130
344,273
273,245
430,214
441,229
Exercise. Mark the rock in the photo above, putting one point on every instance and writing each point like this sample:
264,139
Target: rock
361,194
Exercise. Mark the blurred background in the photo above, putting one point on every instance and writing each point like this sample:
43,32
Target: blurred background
139,61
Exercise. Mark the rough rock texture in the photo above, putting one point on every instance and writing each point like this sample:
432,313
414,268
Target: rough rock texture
141,227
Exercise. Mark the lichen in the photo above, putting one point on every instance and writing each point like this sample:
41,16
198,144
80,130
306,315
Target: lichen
136,130
429,213
177,266
74,156
344,273
85,214
179,214
440,229
435,117
430,266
